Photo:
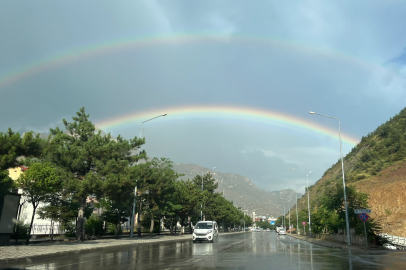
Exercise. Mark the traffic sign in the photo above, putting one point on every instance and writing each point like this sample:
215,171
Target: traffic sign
363,217
272,222
304,223
360,211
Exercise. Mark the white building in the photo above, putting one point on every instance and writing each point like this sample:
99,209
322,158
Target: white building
40,226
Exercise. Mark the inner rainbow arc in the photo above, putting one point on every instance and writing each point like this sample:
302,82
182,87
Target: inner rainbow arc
227,112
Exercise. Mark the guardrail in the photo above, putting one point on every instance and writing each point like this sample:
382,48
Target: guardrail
39,229
46,229
358,240
399,242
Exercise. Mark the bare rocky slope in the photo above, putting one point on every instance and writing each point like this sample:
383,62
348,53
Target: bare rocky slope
242,192
377,167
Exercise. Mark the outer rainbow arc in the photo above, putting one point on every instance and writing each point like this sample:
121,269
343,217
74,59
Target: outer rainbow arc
228,112
127,44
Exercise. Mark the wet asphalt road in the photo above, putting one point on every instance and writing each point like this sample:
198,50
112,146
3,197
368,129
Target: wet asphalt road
257,250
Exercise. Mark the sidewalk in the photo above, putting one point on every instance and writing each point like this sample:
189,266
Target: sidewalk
325,243
18,253
15,253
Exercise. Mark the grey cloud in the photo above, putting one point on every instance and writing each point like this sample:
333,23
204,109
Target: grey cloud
341,58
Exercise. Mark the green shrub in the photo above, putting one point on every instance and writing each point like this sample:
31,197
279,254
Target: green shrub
22,231
70,229
94,225
111,229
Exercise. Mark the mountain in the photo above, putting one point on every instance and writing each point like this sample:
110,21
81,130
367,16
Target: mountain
377,167
240,190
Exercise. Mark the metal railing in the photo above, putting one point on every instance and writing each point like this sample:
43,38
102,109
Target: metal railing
358,240
395,240
46,229
125,227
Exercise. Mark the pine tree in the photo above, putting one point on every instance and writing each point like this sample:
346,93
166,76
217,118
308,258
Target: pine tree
83,154
156,186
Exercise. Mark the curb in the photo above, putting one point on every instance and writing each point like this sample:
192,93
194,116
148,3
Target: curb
311,242
328,246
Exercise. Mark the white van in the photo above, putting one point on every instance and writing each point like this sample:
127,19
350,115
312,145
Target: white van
205,231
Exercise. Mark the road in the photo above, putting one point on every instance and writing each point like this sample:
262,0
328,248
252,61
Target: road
257,250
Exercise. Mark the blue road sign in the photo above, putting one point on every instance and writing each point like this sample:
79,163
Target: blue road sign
360,211
272,222
363,217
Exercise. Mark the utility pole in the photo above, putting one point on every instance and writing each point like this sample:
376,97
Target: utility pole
201,205
297,217
244,218
343,174
135,188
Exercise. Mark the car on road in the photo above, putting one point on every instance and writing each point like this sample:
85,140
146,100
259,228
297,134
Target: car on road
205,231
389,246
268,230
282,231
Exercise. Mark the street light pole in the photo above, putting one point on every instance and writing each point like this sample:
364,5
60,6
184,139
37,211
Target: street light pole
287,201
308,204
290,229
342,170
135,189
297,217
201,204
244,218
308,199
284,221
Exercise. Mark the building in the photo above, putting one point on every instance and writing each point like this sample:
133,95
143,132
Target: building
40,226
14,173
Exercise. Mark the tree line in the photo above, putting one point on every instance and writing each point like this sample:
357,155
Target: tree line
328,213
80,162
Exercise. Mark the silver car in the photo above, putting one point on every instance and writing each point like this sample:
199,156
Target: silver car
282,231
389,246
205,231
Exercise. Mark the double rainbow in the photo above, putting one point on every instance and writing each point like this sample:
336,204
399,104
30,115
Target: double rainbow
185,112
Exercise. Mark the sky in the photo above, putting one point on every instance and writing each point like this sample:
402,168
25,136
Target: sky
209,65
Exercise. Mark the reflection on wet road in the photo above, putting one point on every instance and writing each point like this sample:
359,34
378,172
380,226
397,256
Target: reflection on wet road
258,250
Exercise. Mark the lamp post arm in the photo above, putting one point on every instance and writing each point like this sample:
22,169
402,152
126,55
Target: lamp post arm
152,118
326,115
149,120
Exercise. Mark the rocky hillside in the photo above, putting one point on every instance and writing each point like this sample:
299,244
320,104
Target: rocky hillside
242,191
377,167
